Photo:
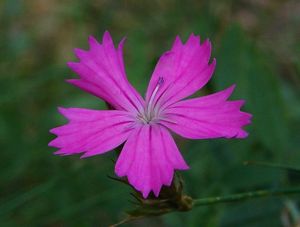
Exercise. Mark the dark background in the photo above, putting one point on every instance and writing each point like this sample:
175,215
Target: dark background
256,43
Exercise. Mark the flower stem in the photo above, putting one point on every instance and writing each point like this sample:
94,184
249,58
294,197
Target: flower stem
245,195
272,165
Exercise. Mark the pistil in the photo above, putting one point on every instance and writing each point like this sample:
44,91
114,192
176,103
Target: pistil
151,104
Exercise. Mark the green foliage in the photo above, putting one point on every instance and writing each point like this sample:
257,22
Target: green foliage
254,51
255,76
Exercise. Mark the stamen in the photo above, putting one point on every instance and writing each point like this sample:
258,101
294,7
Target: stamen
150,103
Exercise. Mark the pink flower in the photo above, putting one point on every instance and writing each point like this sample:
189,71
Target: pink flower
150,155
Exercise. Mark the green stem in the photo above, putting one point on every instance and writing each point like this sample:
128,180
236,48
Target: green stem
272,165
245,195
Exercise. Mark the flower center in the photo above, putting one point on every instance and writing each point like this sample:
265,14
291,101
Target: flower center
150,112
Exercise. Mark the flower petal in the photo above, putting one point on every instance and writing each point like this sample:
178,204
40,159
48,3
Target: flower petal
208,117
184,68
102,73
149,158
91,131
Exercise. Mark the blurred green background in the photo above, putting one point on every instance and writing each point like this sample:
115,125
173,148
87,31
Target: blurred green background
257,46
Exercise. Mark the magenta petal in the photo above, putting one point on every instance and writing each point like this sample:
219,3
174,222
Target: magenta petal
185,69
94,89
91,131
102,73
208,117
149,158
120,56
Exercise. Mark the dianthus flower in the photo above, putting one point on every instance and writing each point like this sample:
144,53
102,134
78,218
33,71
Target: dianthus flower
149,155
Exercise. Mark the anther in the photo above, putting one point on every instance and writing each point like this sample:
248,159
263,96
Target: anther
160,81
